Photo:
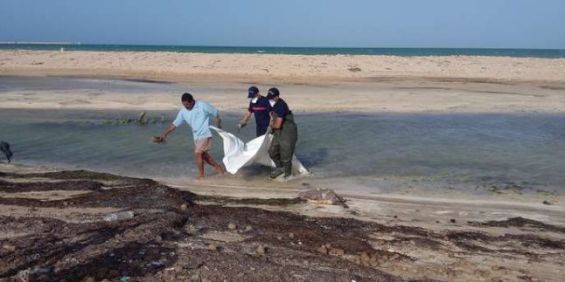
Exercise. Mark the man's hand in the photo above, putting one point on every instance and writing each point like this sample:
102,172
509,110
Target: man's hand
163,137
218,122
241,125
159,139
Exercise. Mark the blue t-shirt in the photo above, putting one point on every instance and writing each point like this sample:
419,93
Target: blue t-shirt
198,118
281,109
261,109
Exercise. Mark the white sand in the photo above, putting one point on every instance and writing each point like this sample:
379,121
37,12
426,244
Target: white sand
277,68
309,83
402,96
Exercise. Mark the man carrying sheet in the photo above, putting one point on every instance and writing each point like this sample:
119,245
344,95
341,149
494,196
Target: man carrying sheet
285,135
197,114
260,107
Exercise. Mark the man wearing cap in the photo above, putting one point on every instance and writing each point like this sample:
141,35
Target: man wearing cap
260,107
197,114
285,135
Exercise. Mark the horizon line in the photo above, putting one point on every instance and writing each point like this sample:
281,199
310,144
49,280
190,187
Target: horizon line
243,46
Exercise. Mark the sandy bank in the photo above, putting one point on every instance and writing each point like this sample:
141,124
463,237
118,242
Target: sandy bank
271,68
316,83
395,95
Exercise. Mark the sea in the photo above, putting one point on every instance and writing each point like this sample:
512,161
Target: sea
499,52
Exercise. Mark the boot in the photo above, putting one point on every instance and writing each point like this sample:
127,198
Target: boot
277,172
287,169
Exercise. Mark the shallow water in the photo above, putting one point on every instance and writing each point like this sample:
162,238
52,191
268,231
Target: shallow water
452,150
390,152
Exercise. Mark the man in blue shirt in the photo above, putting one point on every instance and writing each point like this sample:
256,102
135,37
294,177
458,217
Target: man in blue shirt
285,135
197,114
260,107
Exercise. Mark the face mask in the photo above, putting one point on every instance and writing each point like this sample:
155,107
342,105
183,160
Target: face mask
253,100
272,102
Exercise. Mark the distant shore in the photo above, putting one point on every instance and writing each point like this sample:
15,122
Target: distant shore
269,68
290,50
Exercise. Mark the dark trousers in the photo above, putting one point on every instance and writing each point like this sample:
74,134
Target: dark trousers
283,144
261,130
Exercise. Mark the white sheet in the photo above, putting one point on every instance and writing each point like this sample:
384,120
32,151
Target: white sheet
238,154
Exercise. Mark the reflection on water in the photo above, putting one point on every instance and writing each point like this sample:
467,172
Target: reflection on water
463,151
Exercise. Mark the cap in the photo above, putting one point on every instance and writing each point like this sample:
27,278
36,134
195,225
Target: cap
252,92
272,93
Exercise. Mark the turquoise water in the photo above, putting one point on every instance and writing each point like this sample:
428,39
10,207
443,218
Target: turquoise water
537,53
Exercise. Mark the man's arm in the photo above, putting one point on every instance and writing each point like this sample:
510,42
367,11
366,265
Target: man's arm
176,123
277,118
163,137
276,122
245,119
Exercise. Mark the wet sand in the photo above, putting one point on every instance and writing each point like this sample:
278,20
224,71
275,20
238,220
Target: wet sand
400,95
178,235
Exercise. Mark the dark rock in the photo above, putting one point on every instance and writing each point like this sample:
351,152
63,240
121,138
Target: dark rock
321,196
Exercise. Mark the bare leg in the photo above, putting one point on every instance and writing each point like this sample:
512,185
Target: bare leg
198,156
208,158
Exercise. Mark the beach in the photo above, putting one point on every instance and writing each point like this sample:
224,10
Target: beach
310,83
282,69
450,167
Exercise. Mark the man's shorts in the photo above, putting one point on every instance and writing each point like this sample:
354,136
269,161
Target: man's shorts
202,145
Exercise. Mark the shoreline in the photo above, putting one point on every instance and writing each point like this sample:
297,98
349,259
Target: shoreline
291,50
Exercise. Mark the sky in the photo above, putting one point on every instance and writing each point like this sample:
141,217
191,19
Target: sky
289,23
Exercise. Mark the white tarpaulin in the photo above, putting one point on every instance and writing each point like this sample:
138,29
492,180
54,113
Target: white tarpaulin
238,154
